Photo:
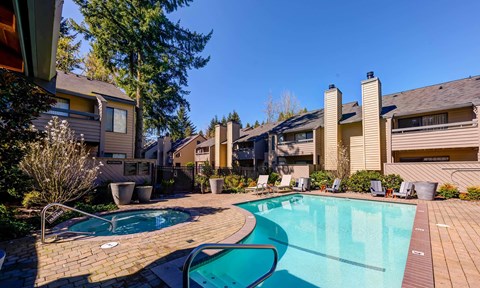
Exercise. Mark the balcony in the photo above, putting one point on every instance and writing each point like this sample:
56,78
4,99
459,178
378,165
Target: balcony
202,156
84,123
244,154
451,135
295,148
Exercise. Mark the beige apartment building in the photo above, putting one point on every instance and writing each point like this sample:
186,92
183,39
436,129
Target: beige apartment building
174,153
98,110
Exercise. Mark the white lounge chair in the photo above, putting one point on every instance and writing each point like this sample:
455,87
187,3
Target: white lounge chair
406,189
335,187
284,184
261,187
376,188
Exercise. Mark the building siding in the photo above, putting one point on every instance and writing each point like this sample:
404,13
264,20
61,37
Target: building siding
463,154
332,114
122,142
357,161
187,153
371,104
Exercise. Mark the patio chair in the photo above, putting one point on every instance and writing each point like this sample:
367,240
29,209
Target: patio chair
406,190
376,188
261,187
335,187
284,184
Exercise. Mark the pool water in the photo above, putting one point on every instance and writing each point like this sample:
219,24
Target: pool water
132,222
322,242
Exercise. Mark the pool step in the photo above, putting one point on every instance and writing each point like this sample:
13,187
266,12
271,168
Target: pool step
211,280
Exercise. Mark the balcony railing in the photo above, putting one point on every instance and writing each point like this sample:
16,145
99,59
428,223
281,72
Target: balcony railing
451,135
244,153
61,112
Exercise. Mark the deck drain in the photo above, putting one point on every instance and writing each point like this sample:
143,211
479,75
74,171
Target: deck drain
190,241
109,245
443,225
419,253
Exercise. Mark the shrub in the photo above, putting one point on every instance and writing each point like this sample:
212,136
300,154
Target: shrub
31,199
448,191
60,165
202,180
190,164
273,178
207,170
392,181
233,181
360,180
319,178
21,102
10,226
473,193
167,186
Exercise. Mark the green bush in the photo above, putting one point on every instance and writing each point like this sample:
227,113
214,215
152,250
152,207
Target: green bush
392,181
273,178
319,178
31,199
233,181
473,193
190,164
202,181
448,191
10,226
360,180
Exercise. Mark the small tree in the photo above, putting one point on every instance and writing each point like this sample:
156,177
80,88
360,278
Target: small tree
60,165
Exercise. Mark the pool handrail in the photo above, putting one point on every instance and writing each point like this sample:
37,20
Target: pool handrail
224,246
44,211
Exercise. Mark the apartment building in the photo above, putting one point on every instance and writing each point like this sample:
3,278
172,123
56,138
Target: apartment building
174,153
205,153
98,110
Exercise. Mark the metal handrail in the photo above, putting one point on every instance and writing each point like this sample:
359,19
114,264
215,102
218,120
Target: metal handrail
44,211
194,253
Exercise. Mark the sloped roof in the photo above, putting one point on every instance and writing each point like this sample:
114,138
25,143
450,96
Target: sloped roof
179,144
250,134
74,84
208,143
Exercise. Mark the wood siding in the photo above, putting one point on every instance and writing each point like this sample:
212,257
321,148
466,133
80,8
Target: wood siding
319,156
357,162
332,114
89,128
295,148
80,104
296,171
122,142
115,172
187,153
462,174
220,150
439,139
462,154
371,105
453,116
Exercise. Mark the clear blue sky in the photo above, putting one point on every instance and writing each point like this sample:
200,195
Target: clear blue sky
269,46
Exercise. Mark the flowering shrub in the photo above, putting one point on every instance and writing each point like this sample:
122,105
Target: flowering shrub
60,165
473,193
448,191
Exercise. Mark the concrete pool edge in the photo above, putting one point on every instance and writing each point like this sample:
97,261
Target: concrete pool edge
194,215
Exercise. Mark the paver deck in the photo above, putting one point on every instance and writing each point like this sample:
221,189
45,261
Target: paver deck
81,263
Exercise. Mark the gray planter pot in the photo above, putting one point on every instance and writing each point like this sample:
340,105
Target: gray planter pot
122,192
426,190
3,254
216,185
144,193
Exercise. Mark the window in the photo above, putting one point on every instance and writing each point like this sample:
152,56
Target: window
273,143
115,155
178,155
425,159
427,120
280,138
116,120
61,104
177,164
303,136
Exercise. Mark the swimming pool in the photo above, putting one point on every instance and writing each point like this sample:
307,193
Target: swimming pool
322,242
132,222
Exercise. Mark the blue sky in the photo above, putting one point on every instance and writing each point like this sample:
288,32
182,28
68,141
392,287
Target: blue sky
269,46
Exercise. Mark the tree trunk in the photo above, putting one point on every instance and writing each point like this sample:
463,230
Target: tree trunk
139,111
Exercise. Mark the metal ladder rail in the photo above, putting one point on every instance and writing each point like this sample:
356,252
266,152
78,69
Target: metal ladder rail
44,211
198,249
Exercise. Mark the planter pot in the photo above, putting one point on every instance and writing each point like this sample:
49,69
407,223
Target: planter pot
144,193
216,185
426,190
122,192
2,258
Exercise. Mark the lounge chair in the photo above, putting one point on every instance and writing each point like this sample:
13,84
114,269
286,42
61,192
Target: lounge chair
376,188
284,184
261,187
335,187
406,190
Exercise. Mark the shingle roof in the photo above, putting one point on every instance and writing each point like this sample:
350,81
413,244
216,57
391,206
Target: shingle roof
179,144
77,84
210,142
249,134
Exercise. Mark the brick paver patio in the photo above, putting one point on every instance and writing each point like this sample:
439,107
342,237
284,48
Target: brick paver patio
82,263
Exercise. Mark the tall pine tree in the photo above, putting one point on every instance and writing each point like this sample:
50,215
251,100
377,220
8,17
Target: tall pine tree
181,126
68,50
150,54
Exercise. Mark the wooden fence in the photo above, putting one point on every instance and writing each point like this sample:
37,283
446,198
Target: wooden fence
139,171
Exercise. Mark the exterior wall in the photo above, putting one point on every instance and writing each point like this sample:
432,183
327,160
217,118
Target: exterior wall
292,160
79,103
150,153
453,115
463,174
357,161
464,154
89,128
295,148
220,150
296,171
261,147
122,142
383,141
233,133
187,153
332,114
319,154
113,171
272,153
371,107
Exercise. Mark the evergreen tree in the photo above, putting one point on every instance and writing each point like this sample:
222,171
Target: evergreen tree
94,67
248,125
68,50
256,124
150,54
234,117
181,126
224,121
211,127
